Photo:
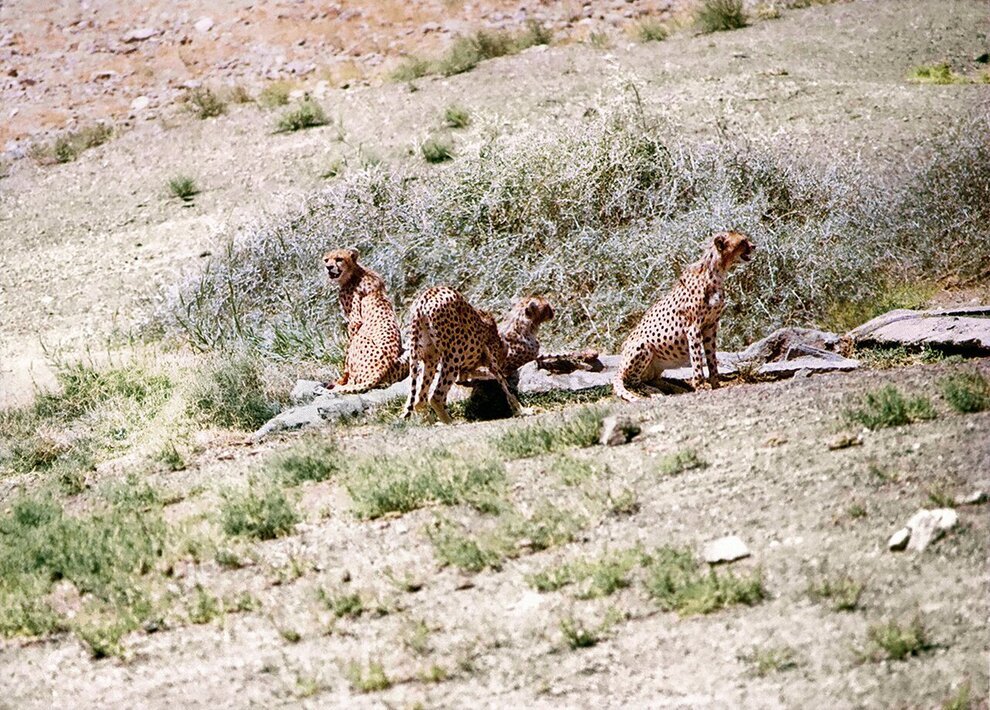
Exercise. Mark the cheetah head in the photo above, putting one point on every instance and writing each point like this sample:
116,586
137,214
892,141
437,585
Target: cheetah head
732,248
537,310
340,262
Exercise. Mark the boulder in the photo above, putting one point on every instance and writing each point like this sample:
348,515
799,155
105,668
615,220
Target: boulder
792,343
924,527
963,330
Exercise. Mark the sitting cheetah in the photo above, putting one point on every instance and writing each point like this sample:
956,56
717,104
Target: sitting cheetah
375,346
446,332
519,328
681,328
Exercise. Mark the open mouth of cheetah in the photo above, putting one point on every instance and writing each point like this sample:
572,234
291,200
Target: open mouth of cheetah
333,272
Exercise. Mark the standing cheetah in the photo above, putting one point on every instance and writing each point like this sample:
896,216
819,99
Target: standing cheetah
449,334
374,345
681,328
519,328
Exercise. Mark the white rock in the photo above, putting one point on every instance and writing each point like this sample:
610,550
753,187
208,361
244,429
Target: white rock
926,526
141,34
140,103
974,498
725,549
899,540
204,24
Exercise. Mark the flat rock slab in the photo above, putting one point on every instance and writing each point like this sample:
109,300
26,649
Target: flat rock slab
965,330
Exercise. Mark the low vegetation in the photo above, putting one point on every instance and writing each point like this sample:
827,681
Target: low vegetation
315,458
895,641
577,429
368,679
591,578
182,187
437,150
105,555
937,74
887,407
771,659
229,391
205,103
275,94
679,462
69,146
720,15
841,591
967,392
455,116
467,51
650,30
401,483
677,583
605,245
306,114
262,512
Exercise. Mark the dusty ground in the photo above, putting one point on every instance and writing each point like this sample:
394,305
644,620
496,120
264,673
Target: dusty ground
771,479
88,245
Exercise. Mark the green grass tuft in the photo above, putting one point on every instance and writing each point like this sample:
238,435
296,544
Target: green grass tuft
674,580
843,592
229,392
399,484
967,392
580,429
887,407
679,462
307,114
593,578
893,641
577,635
256,512
275,94
183,187
68,146
773,659
368,680
315,458
937,74
455,116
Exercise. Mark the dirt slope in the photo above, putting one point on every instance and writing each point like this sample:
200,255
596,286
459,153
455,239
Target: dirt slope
802,509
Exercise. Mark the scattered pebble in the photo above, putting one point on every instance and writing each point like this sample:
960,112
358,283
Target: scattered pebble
141,34
899,540
974,498
844,441
204,24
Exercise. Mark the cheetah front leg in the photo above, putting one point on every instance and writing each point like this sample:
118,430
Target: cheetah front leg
711,355
697,352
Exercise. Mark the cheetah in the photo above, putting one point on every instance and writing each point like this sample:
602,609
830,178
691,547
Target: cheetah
519,329
449,334
374,349
681,328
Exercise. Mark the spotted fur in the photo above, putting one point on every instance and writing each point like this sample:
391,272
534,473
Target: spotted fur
449,336
519,330
681,328
374,348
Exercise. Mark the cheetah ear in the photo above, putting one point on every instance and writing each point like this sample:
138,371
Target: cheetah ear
720,242
353,254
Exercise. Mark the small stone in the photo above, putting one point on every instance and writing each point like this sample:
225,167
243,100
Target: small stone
725,549
899,540
927,526
844,441
204,24
345,576
464,583
140,103
802,374
141,34
618,430
974,498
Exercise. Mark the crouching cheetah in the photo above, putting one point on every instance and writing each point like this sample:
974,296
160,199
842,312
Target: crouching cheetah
450,335
681,328
374,345
519,330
